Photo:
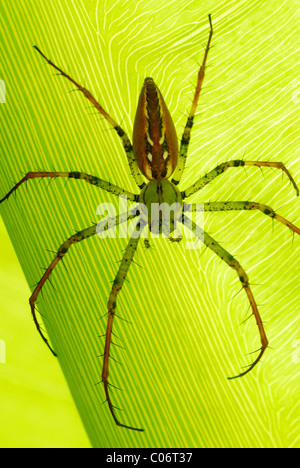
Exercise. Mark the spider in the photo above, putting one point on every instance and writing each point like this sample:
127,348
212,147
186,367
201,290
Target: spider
154,154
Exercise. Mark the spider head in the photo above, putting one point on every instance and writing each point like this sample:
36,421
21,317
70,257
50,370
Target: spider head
155,142
161,206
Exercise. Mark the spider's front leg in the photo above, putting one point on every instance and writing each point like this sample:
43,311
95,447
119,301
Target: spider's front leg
90,179
62,251
235,163
243,277
112,304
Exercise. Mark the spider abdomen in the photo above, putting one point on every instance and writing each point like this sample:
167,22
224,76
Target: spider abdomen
154,136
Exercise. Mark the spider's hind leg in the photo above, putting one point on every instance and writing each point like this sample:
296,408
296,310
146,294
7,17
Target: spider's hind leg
190,121
135,172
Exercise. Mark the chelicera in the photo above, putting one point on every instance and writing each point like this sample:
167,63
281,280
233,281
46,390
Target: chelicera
154,155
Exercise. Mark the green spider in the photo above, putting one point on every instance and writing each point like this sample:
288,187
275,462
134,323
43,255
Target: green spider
154,154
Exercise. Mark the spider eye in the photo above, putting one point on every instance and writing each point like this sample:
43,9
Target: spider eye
155,143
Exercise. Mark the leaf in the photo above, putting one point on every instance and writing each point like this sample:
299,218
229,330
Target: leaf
185,337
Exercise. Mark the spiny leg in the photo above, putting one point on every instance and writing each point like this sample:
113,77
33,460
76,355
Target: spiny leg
187,130
125,140
240,205
112,304
175,240
235,163
147,244
63,249
103,184
243,277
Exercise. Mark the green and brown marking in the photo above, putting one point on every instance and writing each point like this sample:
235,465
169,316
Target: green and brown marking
154,154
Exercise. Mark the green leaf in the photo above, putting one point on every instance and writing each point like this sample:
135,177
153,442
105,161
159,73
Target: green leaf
185,336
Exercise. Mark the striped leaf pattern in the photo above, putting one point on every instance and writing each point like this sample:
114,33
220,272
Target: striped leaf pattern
185,334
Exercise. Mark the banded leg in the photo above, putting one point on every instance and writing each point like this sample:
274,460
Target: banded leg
175,239
112,304
235,163
63,249
190,121
125,140
243,277
107,186
240,205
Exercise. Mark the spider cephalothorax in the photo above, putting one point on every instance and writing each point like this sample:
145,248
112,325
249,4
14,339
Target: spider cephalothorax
154,154
160,202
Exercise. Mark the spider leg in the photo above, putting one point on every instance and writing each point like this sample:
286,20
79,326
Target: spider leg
243,277
103,184
190,121
235,163
175,239
241,205
63,249
125,140
147,244
112,303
